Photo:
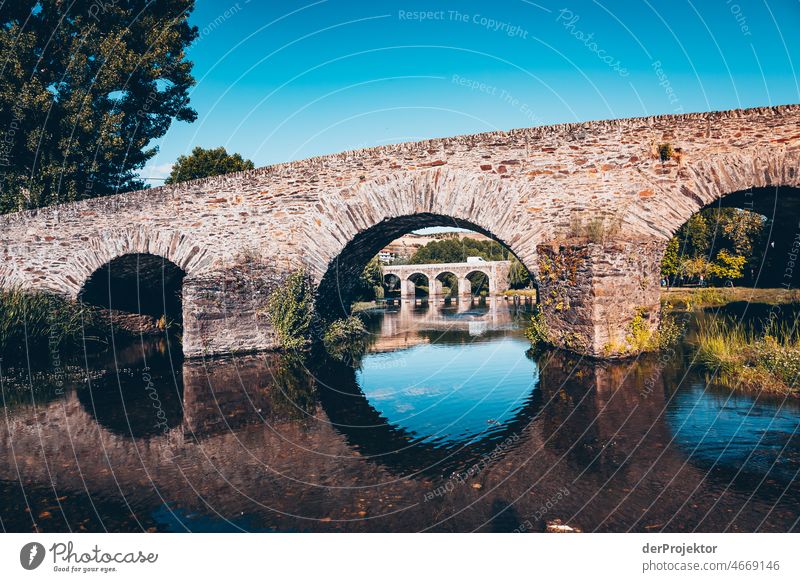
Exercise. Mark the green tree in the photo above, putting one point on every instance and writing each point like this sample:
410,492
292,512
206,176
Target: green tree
85,87
731,236
371,281
203,163
728,266
671,263
518,276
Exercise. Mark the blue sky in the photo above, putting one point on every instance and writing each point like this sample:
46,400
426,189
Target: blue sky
279,81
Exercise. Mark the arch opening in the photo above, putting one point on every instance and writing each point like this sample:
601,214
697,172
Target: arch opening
447,284
391,284
139,284
480,283
456,239
419,285
745,238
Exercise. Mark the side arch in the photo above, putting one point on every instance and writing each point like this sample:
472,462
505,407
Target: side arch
174,246
704,181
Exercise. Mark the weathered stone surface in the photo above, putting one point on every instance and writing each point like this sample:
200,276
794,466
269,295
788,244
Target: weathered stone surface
590,293
330,214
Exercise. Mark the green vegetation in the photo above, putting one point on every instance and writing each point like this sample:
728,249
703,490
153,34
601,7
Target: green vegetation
41,321
291,310
203,163
741,358
537,332
345,339
370,283
521,293
456,250
716,245
85,133
518,275
698,297
641,337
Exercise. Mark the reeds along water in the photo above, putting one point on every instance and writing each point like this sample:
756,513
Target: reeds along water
763,353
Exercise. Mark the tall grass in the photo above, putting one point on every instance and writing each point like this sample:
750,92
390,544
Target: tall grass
39,320
742,355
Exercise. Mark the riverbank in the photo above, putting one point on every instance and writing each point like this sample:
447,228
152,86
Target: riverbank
742,356
684,298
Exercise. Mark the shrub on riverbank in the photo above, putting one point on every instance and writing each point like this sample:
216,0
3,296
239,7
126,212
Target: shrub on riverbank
537,331
346,338
741,358
290,309
38,321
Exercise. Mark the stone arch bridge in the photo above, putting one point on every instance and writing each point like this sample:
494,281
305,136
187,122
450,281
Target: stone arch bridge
495,271
587,207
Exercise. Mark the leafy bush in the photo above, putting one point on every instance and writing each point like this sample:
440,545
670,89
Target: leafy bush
291,309
741,358
344,330
665,152
537,331
345,338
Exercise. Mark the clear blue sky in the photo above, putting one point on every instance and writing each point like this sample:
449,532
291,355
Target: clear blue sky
279,81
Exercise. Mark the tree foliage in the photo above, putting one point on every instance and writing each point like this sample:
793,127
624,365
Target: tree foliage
518,276
454,250
716,244
203,163
291,310
85,87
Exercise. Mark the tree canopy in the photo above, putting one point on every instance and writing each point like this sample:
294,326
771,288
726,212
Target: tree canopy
456,250
85,86
717,244
203,163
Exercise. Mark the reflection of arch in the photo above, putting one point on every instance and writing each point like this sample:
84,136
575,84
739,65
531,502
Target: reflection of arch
400,451
135,401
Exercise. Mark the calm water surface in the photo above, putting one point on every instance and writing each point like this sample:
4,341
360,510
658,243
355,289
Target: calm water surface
447,423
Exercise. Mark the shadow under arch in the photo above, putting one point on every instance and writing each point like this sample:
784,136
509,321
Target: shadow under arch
339,284
140,283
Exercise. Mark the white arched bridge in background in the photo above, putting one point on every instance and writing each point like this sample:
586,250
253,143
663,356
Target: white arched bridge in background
495,271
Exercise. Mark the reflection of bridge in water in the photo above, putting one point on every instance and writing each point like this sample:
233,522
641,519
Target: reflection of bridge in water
407,324
495,271
261,436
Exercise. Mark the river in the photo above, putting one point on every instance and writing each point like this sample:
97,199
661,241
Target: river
448,423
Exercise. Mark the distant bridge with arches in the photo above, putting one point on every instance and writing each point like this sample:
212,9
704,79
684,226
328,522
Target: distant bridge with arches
495,271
